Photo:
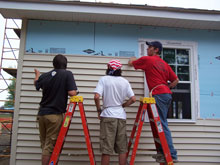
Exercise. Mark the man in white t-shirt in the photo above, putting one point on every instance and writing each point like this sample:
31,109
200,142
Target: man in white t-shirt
113,89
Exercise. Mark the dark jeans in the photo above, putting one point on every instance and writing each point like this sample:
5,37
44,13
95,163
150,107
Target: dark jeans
163,102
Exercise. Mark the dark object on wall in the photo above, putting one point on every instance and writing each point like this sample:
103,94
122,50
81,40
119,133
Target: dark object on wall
218,57
89,51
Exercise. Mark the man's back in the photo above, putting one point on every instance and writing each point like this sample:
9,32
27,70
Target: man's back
157,72
114,90
55,85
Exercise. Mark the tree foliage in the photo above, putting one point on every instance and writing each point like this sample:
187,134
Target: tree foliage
11,97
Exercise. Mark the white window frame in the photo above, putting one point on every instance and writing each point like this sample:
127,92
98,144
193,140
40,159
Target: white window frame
194,79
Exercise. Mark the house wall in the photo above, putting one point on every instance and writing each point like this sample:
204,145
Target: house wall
119,40
196,143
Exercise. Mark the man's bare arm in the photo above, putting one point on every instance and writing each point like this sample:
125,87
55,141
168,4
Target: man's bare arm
129,102
174,83
72,93
37,75
131,60
97,103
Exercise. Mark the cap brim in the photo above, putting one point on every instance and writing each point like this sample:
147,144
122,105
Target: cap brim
148,43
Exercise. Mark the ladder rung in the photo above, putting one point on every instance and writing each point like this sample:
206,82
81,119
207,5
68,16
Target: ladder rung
77,154
136,123
73,149
157,140
152,120
147,149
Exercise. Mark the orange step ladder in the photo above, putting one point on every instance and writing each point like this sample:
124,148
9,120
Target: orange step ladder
148,105
65,127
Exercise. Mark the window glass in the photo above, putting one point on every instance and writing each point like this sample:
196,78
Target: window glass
181,104
178,59
169,56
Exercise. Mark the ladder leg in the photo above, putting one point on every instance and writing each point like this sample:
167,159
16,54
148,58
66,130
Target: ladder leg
153,129
140,125
62,134
134,129
87,136
158,133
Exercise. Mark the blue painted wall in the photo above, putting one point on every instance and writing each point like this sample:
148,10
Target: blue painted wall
122,40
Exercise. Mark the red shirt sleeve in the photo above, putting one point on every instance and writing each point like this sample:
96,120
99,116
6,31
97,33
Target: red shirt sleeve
140,63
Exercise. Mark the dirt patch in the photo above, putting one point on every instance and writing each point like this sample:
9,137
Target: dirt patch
5,161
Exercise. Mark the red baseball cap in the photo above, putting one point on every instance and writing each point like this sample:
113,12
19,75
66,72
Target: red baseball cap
115,64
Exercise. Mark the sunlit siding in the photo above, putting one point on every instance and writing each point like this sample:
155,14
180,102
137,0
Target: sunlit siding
197,143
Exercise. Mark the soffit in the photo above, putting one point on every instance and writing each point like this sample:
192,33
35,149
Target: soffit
110,13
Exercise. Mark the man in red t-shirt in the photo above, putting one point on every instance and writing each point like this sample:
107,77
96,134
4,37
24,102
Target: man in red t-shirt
158,73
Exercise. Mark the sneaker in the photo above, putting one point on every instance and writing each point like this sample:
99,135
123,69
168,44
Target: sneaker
157,156
162,160
175,160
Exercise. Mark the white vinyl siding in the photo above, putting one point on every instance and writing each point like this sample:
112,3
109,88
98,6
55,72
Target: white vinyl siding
196,143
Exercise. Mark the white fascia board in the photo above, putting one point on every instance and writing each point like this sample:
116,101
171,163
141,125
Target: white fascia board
125,11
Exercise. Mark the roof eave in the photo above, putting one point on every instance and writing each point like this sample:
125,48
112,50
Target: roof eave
111,13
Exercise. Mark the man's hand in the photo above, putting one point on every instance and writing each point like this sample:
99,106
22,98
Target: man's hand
37,75
129,102
174,83
99,112
97,103
131,60
72,93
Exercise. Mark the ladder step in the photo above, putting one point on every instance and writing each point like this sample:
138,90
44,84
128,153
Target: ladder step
157,140
152,120
77,149
151,150
77,154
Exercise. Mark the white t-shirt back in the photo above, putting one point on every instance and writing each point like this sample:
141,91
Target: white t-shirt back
114,90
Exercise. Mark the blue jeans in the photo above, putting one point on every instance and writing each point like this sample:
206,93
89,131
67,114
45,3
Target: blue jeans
163,102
